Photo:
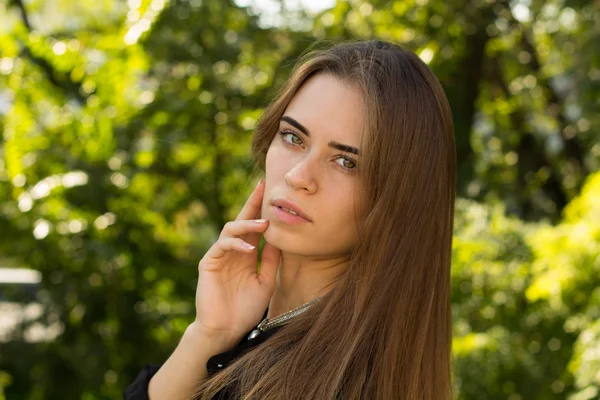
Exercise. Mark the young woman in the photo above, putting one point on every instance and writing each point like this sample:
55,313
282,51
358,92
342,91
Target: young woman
352,297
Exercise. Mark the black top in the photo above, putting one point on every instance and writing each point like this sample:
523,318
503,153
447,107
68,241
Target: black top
138,390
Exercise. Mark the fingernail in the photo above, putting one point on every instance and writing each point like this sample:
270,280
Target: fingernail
259,182
260,221
248,245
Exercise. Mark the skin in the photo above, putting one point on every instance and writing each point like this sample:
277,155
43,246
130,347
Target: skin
322,181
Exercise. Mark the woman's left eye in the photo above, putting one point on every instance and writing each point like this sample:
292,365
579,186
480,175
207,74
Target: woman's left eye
347,163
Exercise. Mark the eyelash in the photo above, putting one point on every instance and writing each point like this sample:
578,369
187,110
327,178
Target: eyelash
347,170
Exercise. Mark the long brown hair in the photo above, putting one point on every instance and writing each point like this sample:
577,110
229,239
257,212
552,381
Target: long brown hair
384,331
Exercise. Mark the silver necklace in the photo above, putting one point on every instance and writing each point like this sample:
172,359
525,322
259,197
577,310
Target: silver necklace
266,323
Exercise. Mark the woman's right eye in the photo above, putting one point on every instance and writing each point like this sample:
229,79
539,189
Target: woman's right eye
286,134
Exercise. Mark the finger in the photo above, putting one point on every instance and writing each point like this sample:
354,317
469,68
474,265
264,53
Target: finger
269,264
253,238
226,244
243,227
253,205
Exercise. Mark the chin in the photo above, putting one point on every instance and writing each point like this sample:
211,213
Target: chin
276,238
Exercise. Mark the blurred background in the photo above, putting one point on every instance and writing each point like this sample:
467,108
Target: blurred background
125,131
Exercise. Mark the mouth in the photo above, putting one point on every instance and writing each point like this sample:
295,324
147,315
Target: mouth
288,216
290,208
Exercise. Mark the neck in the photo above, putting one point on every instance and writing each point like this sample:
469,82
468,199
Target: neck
301,279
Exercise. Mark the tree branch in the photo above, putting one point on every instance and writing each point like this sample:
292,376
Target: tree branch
573,148
61,81
530,156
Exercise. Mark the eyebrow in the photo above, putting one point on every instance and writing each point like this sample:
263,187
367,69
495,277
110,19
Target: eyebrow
335,145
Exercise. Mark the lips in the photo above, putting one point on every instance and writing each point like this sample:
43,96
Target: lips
291,206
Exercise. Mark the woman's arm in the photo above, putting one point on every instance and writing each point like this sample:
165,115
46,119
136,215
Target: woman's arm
186,367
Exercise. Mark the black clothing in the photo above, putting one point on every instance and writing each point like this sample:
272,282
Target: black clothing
138,390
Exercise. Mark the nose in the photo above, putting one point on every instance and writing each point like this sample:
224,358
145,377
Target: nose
301,177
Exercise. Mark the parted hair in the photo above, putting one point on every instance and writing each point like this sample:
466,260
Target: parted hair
384,331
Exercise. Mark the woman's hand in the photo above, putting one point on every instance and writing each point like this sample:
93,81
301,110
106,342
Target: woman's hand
231,297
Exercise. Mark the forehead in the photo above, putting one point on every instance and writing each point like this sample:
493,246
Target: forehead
329,108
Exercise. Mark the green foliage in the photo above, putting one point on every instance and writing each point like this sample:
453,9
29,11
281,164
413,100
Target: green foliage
526,298
125,147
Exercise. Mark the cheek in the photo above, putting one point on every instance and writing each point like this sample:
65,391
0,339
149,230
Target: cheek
276,161
270,162
339,205
339,231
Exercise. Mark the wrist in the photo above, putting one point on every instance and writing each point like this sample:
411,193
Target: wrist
218,340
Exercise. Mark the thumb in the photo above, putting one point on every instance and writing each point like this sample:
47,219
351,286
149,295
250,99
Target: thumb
269,263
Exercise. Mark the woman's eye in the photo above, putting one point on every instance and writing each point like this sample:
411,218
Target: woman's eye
295,139
347,163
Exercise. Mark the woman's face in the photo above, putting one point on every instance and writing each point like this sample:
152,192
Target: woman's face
312,163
